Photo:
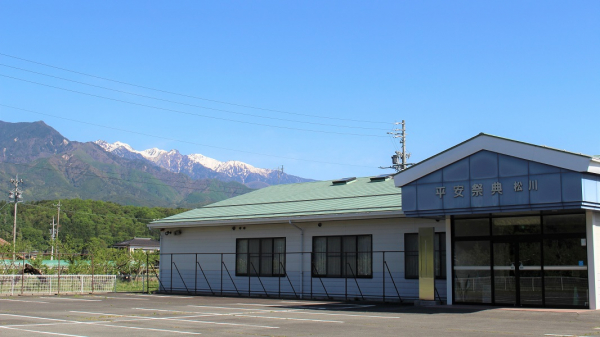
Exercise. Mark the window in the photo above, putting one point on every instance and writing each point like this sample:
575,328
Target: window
260,257
411,255
342,256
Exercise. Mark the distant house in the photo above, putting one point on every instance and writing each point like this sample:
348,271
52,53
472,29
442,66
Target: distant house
3,242
145,244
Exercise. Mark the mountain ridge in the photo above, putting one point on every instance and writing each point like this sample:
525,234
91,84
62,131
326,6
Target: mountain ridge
54,167
198,166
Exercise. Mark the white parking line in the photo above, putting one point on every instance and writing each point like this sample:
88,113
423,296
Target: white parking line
260,305
122,298
236,314
151,329
42,324
305,302
183,312
71,299
6,299
98,313
354,306
43,318
185,320
42,332
306,312
298,311
230,308
339,306
160,295
88,323
288,318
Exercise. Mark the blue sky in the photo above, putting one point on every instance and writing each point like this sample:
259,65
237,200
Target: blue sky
523,70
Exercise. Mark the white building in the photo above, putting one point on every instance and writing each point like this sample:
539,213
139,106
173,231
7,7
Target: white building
515,224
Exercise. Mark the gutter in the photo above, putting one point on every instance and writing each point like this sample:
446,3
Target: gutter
301,258
276,220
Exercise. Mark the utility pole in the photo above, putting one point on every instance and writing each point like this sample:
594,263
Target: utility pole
15,196
58,222
279,174
399,158
52,236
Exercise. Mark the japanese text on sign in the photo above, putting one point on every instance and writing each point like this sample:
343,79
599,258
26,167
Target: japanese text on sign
477,189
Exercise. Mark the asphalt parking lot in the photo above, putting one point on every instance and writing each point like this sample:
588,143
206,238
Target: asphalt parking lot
170,315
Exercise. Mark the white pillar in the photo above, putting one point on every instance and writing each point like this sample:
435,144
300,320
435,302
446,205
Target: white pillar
449,290
593,252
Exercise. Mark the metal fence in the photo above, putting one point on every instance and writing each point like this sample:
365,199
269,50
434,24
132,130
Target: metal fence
55,284
370,276
29,273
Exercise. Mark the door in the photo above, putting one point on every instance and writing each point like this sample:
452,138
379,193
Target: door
518,273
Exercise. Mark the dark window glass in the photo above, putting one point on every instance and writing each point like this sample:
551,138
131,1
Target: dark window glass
411,255
565,271
471,227
516,225
472,272
365,256
319,266
440,255
254,253
565,253
241,261
260,257
342,256
566,223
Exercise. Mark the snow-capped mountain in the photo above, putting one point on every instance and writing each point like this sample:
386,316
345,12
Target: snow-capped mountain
198,166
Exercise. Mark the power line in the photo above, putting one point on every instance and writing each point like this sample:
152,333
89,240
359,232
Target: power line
192,105
184,112
133,181
191,96
181,141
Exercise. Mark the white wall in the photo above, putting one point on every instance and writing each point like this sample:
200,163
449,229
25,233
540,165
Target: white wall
388,235
593,246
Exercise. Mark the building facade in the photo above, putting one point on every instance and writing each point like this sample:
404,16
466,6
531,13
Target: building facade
521,221
513,224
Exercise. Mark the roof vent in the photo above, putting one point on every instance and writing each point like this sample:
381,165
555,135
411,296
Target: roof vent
381,177
344,181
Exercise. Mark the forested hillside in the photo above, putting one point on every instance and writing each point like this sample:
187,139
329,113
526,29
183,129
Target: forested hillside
53,167
83,223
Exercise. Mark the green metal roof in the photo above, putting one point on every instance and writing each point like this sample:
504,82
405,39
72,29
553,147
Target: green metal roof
320,198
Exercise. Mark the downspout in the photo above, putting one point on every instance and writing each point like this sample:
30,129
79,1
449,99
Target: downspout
301,258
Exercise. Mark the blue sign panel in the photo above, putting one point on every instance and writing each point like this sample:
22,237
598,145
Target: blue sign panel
488,182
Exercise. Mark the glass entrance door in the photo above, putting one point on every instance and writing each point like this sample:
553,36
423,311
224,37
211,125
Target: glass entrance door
518,273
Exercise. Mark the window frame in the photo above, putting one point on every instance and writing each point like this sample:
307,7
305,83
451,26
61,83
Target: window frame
327,253
439,254
261,257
